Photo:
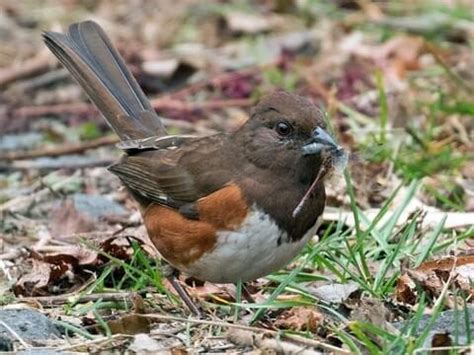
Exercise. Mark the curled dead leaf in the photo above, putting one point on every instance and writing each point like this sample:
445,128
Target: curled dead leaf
67,220
432,276
82,213
69,266
300,319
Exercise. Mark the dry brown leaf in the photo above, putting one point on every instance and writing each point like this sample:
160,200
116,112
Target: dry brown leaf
300,319
129,324
406,289
210,291
441,340
67,220
48,274
376,312
132,323
432,276
265,343
69,266
38,276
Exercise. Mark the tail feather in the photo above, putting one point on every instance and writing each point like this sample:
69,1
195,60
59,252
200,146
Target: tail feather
92,60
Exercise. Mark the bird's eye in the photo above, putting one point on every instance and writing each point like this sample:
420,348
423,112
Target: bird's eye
283,128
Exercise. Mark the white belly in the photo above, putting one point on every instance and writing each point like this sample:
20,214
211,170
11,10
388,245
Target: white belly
250,253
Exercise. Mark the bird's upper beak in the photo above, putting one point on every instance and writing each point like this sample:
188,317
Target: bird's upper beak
321,141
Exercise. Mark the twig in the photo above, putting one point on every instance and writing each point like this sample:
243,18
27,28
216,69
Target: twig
167,103
45,79
58,150
249,338
80,162
101,340
41,63
292,337
73,108
83,108
76,298
20,202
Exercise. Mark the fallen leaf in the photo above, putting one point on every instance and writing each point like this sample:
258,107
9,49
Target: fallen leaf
441,340
143,343
82,213
129,324
431,276
265,343
38,277
334,293
69,266
406,289
210,291
300,319
66,220
372,311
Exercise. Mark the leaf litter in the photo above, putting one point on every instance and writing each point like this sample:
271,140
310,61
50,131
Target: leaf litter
398,94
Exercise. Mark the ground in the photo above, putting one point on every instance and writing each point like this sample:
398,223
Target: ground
389,271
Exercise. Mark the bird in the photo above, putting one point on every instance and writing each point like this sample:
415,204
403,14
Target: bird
225,208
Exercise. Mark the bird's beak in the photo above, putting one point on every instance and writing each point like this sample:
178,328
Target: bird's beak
321,141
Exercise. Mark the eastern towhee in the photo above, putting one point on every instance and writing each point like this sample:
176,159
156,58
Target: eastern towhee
223,208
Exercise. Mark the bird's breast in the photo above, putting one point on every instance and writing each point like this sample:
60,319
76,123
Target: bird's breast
257,248
230,240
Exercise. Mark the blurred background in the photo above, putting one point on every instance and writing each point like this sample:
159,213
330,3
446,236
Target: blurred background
395,76
396,79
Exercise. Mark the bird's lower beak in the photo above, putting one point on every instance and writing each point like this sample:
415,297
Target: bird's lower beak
321,141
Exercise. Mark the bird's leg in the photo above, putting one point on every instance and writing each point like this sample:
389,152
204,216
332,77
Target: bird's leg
241,291
238,299
246,293
172,274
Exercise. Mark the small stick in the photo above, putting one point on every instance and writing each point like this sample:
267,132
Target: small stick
19,203
77,298
58,150
72,108
28,165
249,338
38,64
299,207
166,103
84,108
45,79
292,337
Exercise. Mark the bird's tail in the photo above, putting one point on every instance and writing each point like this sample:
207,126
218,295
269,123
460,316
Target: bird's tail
92,60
